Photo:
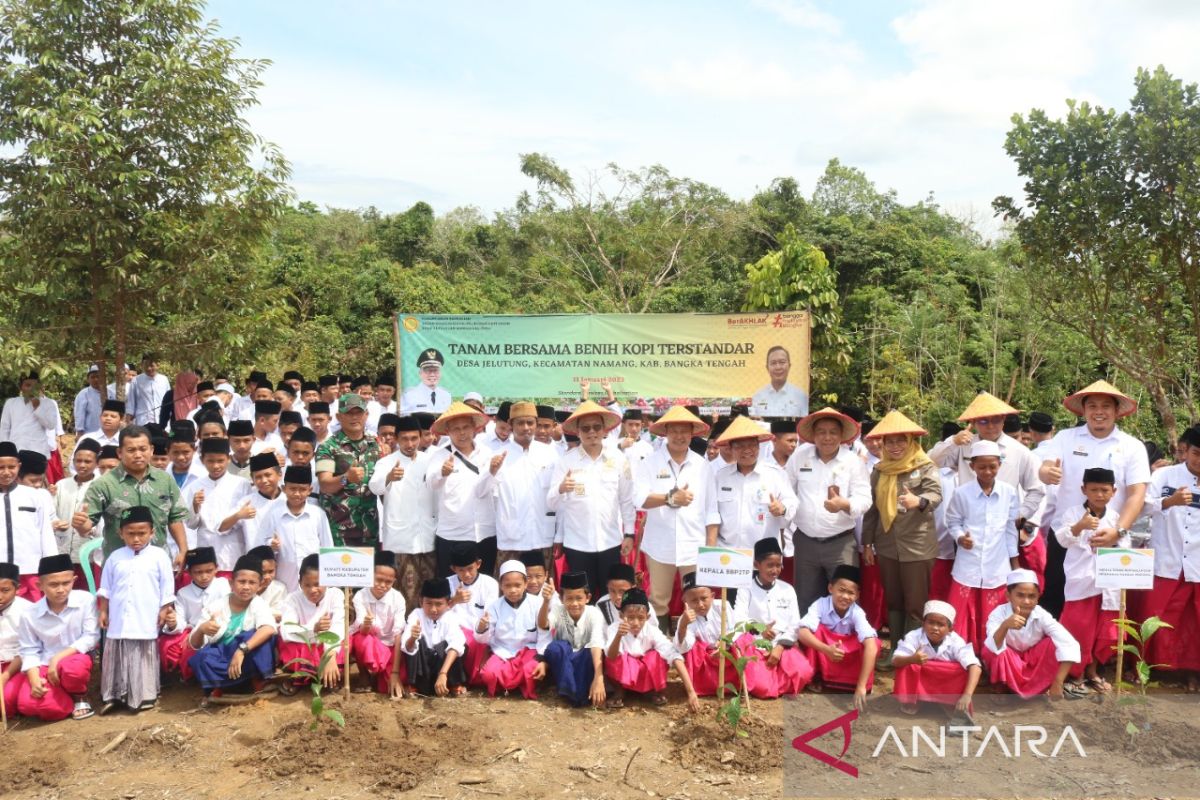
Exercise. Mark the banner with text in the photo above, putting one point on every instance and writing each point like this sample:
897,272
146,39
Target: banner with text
658,358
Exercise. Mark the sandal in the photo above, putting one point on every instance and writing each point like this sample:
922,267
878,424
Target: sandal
149,705
82,710
108,707
1100,685
658,698
1075,691
614,701
908,708
288,688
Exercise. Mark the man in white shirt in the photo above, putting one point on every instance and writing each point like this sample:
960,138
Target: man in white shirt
408,519
672,485
462,477
833,491
26,524
779,398
630,441
497,433
523,521
146,392
591,491
382,403
87,403
217,504
1096,443
31,420
111,417
429,396
749,499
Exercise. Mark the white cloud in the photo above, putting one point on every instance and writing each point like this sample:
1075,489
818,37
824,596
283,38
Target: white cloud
801,14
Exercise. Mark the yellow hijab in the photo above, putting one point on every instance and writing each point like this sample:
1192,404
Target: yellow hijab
886,493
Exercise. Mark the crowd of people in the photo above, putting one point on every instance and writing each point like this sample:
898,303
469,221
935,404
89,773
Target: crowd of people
535,546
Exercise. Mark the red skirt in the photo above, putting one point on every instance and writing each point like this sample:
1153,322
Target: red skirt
27,587
476,656
871,598
931,682
511,673
971,609
1094,629
310,653
701,663
1176,601
1027,673
12,688
647,673
789,676
840,674
939,579
74,673
174,650
1033,556
54,468
372,655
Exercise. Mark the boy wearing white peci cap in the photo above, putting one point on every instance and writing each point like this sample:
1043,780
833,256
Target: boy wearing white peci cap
934,664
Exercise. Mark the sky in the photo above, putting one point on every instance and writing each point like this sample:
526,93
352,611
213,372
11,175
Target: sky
387,103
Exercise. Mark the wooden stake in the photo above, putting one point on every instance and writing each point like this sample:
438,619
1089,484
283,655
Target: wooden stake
396,343
1121,645
346,647
3,710
721,648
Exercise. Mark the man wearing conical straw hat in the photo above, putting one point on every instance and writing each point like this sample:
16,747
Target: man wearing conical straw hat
1096,443
671,484
462,475
751,498
591,491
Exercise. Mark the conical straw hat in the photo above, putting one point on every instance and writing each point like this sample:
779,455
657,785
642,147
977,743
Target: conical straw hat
986,405
895,423
457,410
1125,404
744,428
679,414
571,424
806,425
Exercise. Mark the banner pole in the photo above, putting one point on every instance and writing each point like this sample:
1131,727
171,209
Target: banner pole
721,646
1121,646
346,646
396,344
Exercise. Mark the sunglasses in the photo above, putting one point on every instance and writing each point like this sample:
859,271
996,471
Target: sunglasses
591,428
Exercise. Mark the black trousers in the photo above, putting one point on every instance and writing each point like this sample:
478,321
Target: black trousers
1052,593
596,565
443,547
426,663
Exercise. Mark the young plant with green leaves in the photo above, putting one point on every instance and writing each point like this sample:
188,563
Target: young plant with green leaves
737,706
1141,635
304,669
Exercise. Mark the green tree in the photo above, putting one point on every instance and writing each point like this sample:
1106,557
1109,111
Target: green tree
1110,229
134,195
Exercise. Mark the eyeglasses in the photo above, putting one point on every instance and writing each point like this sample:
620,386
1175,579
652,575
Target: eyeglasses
591,428
990,421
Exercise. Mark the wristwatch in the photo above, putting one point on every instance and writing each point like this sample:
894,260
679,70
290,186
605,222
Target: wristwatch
671,497
244,648
1122,532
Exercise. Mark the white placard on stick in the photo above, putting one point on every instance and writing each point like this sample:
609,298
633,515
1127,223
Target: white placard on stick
728,567
1124,568
347,566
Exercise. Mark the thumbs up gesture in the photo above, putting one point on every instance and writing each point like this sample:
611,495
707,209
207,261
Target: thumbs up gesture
498,461
197,501
368,623
834,502
80,520
769,631
463,595
548,591
836,653
275,543
964,437
448,467
965,541
484,623
323,623
1053,473
396,473
908,499
777,508
568,484
1181,497
247,511
683,497
415,632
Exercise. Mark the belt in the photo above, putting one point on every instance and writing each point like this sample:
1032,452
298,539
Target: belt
847,532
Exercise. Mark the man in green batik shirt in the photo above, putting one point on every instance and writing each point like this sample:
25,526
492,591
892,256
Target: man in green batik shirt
344,463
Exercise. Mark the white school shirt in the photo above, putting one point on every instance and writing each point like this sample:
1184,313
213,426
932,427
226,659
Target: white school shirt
511,630
1042,518
1038,626
375,410
991,520
273,441
810,478
259,502
99,437
445,629
257,614
673,535
274,595
952,648
422,398
635,453
588,631
10,619
523,522
1079,450
649,638
740,503
44,634
137,586
600,510
69,495
464,497
946,543
790,401
222,497
409,516
706,629
483,591
388,613
27,427
32,514
191,600
298,611
1174,532
1018,468
822,612
144,397
778,604
299,535
1079,563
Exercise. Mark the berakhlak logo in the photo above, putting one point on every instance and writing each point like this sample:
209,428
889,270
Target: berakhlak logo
778,323
801,742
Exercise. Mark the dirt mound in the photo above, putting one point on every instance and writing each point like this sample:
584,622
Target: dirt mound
30,778
708,744
1162,738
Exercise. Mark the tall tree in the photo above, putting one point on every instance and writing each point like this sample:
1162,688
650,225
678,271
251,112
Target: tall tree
1110,228
136,195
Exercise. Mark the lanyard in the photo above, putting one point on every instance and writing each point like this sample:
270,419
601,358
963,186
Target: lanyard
8,531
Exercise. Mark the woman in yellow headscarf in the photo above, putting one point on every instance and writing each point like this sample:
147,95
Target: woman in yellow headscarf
899,533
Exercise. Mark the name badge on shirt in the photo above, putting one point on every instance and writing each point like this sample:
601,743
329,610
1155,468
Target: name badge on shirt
1079,453
664,474
726,488
805,469
580,489
30,509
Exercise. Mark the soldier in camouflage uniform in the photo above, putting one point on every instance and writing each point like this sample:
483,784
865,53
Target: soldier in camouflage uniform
344,463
